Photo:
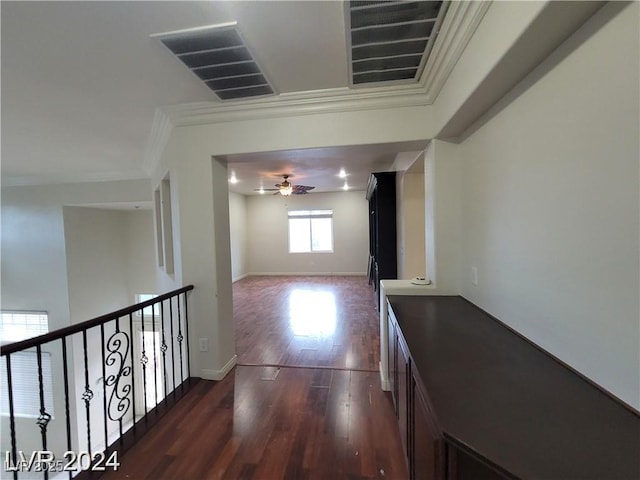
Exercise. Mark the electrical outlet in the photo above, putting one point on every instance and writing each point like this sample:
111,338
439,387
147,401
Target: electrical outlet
204,344
474,275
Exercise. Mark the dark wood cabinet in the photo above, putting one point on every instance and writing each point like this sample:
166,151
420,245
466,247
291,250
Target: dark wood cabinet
476,401
421,441
381,194
427,448
403,372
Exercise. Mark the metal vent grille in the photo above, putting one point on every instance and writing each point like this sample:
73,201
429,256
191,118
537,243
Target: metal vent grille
390,41
218,55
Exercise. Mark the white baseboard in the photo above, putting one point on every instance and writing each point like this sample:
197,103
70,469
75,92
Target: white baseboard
219,374
244,275
307,274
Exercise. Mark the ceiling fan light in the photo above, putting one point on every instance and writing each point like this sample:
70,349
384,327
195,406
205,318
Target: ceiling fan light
286,190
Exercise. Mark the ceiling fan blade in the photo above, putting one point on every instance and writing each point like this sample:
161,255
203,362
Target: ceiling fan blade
301,189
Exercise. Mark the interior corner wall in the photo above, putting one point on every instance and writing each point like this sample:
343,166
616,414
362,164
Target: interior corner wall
238,235
96,249
442,176
550,208
411,225
140,253
200,218
269,241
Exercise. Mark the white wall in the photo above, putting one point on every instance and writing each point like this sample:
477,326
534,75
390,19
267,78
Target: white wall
411,223
238,235
442,216
34,271
34,266
140,255
550,209
269,241
96,262
201,260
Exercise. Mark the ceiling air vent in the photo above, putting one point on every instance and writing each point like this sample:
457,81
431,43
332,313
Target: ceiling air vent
390,41
218,55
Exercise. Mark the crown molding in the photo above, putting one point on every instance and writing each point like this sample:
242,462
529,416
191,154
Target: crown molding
458,27
298,103
161,127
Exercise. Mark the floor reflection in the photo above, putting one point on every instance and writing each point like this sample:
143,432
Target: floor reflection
312,312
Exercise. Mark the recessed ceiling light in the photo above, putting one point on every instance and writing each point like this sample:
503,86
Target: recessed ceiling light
342,173
261,191
346,186
233,178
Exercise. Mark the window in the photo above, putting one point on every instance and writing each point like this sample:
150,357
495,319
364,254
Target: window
164,225
151,309
310,231
16,326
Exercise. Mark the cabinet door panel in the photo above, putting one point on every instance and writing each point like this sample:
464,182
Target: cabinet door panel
464,467
402,387
391,359
427,452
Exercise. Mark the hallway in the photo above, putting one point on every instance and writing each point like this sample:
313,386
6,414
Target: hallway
304,401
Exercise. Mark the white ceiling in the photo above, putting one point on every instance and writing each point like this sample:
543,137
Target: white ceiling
81,82
84,83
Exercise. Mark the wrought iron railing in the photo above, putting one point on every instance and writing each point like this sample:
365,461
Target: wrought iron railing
110,376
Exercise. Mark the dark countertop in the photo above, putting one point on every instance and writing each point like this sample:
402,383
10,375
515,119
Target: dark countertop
511,403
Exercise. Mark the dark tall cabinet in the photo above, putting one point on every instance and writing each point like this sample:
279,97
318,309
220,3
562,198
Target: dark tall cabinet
381,193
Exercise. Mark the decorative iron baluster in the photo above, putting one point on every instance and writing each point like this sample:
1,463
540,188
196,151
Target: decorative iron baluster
125,357
119,401
180,338
133,382
12,418
173,354
163,349
155,359
88,393
44,418
186,328
65,376
104,388
143,361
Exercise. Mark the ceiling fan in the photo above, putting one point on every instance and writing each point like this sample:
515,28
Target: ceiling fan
286,188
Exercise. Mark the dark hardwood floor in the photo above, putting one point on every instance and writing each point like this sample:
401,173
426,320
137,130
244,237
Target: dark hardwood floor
307,321
315,412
